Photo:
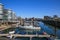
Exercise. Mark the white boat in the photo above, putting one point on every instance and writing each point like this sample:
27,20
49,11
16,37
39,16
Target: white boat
30,27
10,34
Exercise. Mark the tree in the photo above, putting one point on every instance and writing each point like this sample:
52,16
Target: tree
55,16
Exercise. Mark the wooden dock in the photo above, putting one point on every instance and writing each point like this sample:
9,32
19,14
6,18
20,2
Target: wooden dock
12,36
26,35
3,27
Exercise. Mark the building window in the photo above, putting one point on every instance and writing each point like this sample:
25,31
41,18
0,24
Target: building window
1,11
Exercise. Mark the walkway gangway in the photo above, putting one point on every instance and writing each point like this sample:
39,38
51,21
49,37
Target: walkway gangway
19,35
26,35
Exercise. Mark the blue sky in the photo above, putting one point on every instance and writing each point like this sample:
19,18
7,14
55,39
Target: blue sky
33,8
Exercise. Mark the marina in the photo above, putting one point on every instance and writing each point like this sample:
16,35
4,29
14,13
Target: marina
15,28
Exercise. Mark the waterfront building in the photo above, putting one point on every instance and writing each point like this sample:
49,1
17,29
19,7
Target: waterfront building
1,6
21,21
56,18
6,14
14,17
9,14
47,18
1,11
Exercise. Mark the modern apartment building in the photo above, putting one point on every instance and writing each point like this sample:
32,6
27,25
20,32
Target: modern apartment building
6,14
1,11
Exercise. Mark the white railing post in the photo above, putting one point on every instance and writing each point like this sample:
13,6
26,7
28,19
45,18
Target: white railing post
30,38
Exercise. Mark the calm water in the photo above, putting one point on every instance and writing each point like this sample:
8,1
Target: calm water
50,29
44,28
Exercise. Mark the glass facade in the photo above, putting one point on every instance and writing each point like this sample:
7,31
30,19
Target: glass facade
9,14
1,8
5,17
1,16
6,14
1,11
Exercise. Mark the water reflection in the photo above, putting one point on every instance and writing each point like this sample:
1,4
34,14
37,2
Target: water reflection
34,38
49,29
44,28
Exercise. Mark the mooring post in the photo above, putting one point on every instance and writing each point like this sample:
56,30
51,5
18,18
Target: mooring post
55,27
30,38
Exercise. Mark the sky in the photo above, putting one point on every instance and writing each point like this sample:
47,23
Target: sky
33,8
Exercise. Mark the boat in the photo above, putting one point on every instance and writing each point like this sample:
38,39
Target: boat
10,34
30,27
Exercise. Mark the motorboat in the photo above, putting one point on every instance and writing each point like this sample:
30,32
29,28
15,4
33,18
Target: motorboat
10,34
30,27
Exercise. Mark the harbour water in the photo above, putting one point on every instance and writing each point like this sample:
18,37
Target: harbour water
50,29
44,28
